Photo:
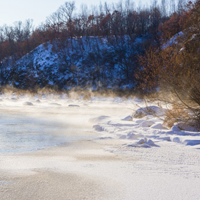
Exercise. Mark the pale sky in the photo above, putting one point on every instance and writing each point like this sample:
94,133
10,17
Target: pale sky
20,10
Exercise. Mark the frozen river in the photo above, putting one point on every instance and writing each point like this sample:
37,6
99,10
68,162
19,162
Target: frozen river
21,134
36,125
54,147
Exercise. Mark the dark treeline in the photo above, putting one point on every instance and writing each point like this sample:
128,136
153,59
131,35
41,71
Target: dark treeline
103,20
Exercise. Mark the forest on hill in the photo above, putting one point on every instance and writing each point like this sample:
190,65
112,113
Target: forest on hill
108,46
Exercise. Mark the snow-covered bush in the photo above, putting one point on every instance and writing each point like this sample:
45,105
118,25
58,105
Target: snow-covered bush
148,110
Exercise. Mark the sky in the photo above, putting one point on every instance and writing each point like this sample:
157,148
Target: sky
20,10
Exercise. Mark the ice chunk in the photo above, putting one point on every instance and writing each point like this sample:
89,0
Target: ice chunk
98,128
158,126
147,123
73,105
28,103
128,118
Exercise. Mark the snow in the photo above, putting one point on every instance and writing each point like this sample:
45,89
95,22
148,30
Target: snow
173,40
128,118
121,144
148,110
28,103
149,126
73,105
143,143
91,62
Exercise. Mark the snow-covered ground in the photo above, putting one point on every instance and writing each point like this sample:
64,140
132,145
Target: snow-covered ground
54,147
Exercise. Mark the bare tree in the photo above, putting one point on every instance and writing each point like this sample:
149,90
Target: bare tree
55,22
18,31
28,29
172,6
67,14
67,10
163,8
181,6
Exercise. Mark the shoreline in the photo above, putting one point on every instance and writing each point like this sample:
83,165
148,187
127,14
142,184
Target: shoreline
108,161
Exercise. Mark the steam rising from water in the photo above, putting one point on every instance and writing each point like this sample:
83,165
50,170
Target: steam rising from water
29,123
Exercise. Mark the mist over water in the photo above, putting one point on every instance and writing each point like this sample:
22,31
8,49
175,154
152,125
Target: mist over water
35,129
30,123
19,133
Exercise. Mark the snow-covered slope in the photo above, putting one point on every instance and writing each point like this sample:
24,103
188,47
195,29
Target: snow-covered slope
87,61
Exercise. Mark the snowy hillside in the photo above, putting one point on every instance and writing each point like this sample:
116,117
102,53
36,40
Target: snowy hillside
87,61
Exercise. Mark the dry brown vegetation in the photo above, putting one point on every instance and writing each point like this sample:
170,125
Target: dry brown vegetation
74,93
175,69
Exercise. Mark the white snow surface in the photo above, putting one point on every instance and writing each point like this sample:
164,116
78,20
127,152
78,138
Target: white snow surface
156,162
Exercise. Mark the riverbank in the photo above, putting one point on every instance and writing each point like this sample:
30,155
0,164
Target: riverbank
107,154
